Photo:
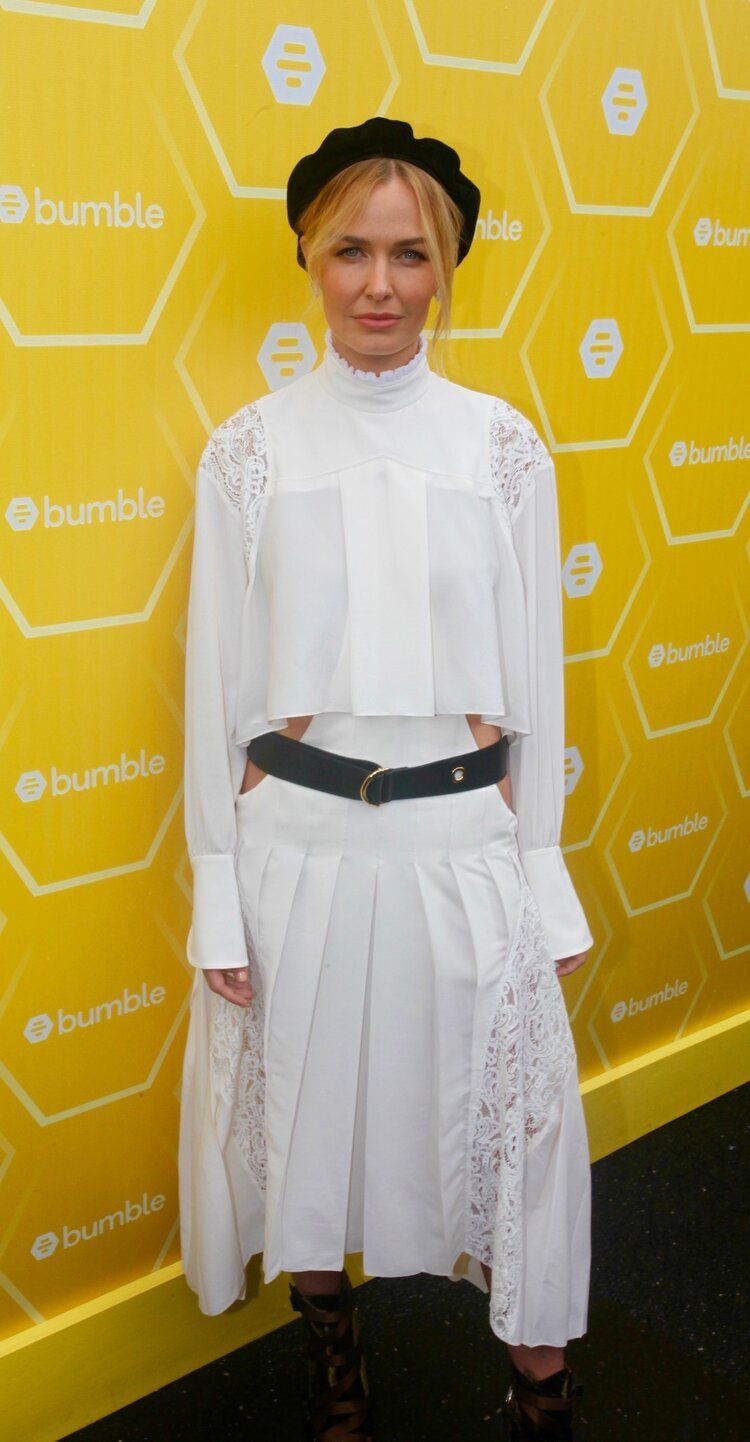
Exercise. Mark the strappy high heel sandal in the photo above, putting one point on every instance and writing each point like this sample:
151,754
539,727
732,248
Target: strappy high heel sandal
338,1405
541,1411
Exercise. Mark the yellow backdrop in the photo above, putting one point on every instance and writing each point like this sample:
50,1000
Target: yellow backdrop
148,288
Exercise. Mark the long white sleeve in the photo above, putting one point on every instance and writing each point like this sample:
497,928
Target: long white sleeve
536,761
214,763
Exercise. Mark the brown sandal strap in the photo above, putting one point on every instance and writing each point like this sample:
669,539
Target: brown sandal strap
540,1409
351,1414
331,1401
539,1401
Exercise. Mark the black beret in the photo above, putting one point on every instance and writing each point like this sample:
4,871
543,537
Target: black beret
382,136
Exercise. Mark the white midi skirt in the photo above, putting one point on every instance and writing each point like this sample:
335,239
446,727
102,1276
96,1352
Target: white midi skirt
404,1083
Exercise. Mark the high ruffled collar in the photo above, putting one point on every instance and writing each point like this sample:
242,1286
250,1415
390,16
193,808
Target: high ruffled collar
388,390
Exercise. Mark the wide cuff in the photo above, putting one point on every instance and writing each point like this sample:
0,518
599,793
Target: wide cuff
217,934
561,912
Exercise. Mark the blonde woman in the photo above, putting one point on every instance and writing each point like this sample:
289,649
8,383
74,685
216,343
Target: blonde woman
379,1058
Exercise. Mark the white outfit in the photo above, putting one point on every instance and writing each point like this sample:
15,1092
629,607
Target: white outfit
382,552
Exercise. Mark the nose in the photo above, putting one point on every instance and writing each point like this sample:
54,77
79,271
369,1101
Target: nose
378,280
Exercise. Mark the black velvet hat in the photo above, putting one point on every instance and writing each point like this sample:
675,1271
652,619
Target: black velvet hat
382,136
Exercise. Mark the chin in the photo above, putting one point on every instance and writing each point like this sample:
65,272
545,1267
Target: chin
376,343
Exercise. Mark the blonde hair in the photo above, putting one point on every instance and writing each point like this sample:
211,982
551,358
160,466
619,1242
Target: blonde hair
334,209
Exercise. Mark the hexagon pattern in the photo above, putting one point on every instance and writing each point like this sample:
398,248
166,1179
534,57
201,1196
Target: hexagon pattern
148,288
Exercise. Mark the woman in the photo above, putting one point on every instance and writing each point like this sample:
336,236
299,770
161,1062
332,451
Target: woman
379,1057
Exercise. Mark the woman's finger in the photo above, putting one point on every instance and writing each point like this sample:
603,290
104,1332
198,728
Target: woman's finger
570,963
232,985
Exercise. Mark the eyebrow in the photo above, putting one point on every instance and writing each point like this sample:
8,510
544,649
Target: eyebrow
361,240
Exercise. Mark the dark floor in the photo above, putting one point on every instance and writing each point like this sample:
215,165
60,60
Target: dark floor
665,1357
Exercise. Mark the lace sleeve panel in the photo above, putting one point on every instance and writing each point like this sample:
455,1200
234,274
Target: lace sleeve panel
238,457
516,450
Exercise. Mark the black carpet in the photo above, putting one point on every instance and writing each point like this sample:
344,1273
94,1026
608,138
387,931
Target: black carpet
665,1357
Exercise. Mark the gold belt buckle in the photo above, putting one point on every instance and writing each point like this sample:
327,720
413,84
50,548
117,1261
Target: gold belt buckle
368,778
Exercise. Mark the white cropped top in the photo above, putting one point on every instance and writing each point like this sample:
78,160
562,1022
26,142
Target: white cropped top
382,545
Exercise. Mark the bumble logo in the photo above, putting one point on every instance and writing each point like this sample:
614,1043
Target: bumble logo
689,826
601,348
31,785
573,768
671,655
624,101
39,1028
582,569
22,512
711,232
293,64
632,1007
13,205
691,454
46,1244
114,214
286,353
498,227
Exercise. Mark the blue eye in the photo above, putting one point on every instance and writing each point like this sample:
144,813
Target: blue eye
349,248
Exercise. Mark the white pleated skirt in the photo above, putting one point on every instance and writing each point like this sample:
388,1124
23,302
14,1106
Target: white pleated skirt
404,1084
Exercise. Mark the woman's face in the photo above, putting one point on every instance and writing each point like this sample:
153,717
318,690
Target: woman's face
374,272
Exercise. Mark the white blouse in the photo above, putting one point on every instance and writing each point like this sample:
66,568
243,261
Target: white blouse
379,545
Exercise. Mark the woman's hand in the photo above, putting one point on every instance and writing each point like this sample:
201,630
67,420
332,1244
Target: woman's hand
485,734
567,964
503,786
252,777
231,983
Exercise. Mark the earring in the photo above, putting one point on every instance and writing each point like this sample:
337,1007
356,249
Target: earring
316,290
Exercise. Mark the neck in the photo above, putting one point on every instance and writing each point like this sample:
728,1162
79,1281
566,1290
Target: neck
376,364
388,389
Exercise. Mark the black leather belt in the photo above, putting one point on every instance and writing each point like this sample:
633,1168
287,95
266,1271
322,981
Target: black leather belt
349,776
